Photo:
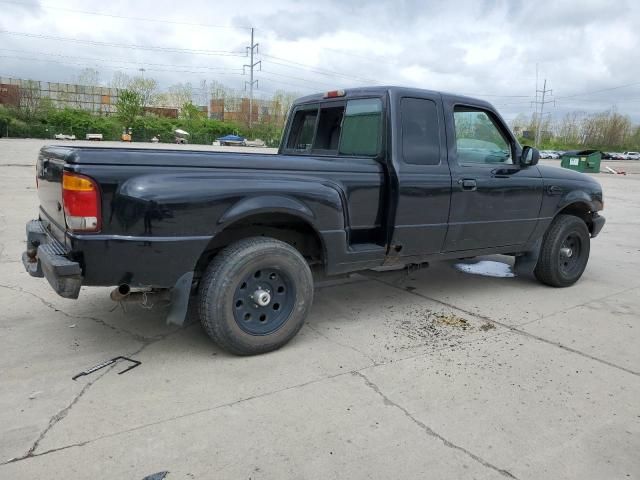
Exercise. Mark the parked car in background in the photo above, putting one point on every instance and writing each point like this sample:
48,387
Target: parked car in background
62,136
632,155
232,140
181,136
550,154
255,143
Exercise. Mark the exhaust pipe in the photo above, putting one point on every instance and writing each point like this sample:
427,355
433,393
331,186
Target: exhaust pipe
123,293
120,293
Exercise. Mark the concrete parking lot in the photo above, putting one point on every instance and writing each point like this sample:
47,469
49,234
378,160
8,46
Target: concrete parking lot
431,373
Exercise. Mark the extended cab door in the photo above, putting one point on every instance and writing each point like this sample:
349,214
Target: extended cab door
423,181
494,202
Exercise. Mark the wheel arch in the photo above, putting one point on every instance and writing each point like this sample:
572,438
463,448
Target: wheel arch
581,208
276,219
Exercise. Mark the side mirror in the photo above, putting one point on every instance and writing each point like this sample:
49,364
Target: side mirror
529,156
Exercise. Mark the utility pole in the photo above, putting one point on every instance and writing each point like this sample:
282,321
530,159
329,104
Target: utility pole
251,49
542,103
142,70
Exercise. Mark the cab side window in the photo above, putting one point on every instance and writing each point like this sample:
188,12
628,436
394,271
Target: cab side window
478,138
420,131
351,128
362,128
302,130
328,133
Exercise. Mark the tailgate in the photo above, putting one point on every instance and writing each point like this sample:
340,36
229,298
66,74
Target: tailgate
49,176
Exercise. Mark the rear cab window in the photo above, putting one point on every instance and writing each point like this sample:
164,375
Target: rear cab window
340,128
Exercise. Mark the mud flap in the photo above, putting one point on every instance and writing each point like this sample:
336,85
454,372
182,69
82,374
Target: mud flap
180,296
526,263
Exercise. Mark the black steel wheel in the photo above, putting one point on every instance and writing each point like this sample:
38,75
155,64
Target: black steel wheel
264,300
564,253
570,259
255,295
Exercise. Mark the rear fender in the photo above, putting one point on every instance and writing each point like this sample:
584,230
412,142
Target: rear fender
266,204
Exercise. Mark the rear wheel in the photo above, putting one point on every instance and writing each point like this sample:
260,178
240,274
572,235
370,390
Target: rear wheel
565,252
255,295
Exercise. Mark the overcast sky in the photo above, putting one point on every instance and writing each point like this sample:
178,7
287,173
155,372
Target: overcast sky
588,50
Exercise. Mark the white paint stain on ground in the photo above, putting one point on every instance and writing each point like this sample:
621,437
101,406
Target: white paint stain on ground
487,268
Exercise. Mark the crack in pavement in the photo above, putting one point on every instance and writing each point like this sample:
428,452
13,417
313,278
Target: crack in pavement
146,342
55,419
374,362
59,416
235,402
518,330
135,336
428,430
181,416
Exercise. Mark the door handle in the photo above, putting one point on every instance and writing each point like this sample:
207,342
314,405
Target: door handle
468,184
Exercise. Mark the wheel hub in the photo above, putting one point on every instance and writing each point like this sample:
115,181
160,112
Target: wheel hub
261,297
566,252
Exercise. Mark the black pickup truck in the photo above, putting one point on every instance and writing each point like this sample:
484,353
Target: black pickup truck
363,178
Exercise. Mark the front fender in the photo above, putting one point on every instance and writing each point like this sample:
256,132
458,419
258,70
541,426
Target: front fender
575,197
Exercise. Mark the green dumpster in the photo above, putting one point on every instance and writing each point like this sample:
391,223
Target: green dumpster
582,161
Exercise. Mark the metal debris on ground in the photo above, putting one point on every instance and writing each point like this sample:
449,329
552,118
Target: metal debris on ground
156,476
134,364
614,171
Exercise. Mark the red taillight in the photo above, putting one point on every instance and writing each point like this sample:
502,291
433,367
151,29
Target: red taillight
335,94
81,201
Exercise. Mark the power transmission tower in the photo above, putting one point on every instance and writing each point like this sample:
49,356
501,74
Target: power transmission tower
542,103
251,49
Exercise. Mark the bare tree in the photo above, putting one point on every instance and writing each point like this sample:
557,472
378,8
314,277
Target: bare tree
145,87
87,76
176,96
30,97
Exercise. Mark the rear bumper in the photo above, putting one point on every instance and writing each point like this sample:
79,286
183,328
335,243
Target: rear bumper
597,222
46,257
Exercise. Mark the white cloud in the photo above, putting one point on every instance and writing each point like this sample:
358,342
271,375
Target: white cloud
488,47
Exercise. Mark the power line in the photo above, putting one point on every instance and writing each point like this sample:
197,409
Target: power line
114,67
599,91
306,81
117,60
312,68
222,53
122,17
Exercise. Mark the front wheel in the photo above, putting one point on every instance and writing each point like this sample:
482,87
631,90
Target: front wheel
255,295
565,252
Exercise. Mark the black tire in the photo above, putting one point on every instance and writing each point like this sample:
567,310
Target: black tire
564,253
243,272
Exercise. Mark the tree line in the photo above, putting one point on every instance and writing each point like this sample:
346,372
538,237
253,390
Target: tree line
607,131
38,116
